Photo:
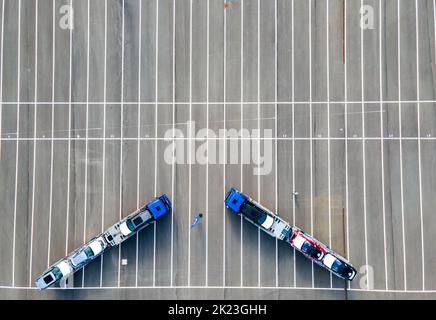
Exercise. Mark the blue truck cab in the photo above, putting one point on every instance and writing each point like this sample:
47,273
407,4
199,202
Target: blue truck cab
159,206
255,213
235,200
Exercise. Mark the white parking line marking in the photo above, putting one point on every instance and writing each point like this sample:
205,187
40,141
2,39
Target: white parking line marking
228,138
401,146
225,145
52,131
311,129
121,134
242,148
155,132
293,135
69,135
363,141
207,130
103,199
328,131
34,144
190,144
382,146
317,102
258,140
419,146
85,207
275,127
173,151
139,135
18,142
346,133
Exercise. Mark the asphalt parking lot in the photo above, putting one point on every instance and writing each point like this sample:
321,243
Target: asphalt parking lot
346,115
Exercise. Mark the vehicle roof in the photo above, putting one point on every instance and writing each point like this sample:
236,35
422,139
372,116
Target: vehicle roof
299,241
269,221
252,212
79,257
40,282
64,267
125,229
329,259
96,246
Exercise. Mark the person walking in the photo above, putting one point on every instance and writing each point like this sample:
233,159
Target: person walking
196,220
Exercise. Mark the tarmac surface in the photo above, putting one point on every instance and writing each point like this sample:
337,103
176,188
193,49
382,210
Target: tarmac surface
347,119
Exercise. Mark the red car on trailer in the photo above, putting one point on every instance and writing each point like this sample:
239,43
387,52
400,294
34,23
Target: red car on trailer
307,245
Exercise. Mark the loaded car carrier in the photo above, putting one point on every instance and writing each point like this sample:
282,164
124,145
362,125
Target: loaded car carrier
275,226
112,237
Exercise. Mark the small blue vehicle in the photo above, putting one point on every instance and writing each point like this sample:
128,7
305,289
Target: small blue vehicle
260,216
138,220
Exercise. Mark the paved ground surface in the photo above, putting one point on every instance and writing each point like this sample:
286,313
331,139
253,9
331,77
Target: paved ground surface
352,114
